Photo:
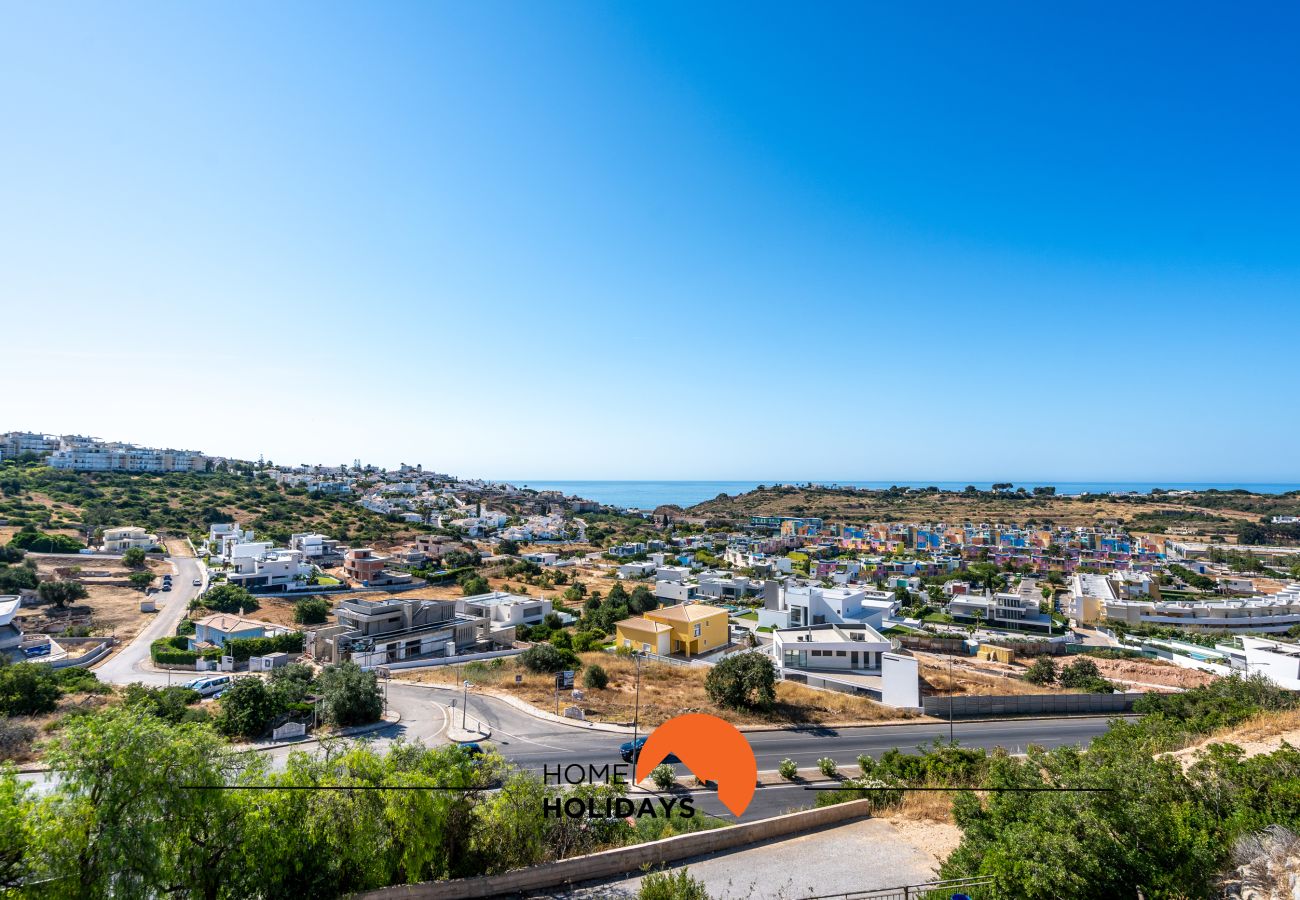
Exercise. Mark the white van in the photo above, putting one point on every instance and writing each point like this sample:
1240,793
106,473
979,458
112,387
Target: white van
210,684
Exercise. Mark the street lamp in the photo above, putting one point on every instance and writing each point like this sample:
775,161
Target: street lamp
464,706
636,713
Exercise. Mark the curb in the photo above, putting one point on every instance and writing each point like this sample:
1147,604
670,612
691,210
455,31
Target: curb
391,718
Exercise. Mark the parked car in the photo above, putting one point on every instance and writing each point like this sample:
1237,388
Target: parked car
629,755
198,582
210,685
167,586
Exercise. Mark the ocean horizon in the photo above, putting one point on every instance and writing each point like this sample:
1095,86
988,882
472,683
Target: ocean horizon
650,494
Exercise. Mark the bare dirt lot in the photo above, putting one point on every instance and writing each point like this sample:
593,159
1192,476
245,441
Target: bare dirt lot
113,606
666,691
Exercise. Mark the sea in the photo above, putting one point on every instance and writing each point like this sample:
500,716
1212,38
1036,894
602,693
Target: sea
649,494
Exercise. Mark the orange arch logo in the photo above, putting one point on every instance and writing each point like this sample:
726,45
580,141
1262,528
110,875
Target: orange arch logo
711,748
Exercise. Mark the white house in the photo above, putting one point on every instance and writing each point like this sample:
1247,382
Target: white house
843,648
271,569
119,540
800,605
11,636
1276,661
635,569
502,610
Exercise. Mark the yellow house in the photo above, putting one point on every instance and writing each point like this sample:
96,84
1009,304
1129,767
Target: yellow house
688,628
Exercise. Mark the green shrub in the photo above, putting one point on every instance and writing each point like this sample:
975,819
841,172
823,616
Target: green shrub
1041,671
679,885
226,598
242,648
349,696
247,708
39,542
133,558
742,681
28,689
311,611
595,677
787,769
827,766
664,776
548,658
1083,674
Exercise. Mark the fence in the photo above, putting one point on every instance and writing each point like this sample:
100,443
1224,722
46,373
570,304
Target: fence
932,644
1030,704
433,661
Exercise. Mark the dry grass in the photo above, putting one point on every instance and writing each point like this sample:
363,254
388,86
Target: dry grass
967,681
110,608
1261,734
666,691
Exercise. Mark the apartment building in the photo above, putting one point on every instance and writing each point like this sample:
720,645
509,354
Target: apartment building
127,458
364,565
1016,611
271,569
1093,599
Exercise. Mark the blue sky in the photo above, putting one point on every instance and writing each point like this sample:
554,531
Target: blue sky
567,240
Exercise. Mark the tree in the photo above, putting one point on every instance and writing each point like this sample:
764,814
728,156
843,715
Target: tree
349,696
133,558
311,611
1041,671
742,681
547,658
1083,674
507,547
28,689
140,580
291,684
226,598
247,707
473,585
595,678
61,593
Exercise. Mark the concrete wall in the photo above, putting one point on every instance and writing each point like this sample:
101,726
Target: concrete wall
1030,704
444,660
629,859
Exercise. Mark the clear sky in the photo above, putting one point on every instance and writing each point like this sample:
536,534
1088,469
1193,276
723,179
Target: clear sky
616,240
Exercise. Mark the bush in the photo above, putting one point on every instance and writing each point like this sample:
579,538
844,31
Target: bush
39,542
349,696
311,611
133,558
1083,674
292,683
172,651
473,585
742,681
827,766
76,680
15,739
664,776
1041,671
679,885
140,580
585,641
174,704
595,678
247,708
226,598
787,769
548,658
242,648
28,689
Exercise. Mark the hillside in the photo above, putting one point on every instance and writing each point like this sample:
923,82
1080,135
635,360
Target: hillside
53,499
1206,513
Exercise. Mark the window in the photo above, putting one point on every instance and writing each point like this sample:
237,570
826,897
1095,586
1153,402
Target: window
645,648
697,631
839,652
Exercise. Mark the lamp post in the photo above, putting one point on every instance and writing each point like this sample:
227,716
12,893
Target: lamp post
951,739
636,713
464,712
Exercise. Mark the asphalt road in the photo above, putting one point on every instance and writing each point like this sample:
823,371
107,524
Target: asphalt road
131,663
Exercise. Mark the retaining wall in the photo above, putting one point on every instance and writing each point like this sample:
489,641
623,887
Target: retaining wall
1030,704
629,859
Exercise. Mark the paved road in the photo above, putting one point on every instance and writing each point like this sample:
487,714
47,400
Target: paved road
131,663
